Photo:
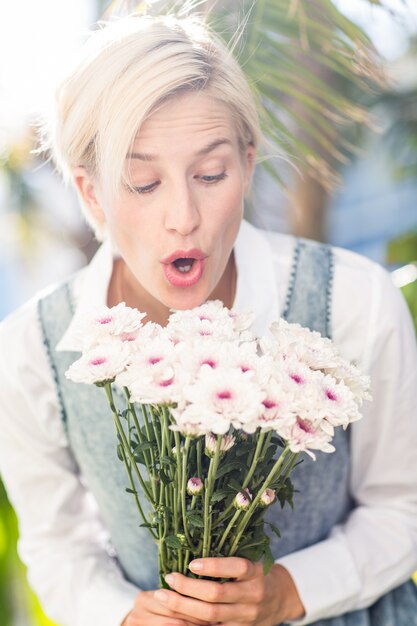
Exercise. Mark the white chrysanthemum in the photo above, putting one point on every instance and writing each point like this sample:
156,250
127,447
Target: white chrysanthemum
298,378
293,340
226,394
157,384
304,435
105,324
227,442
207,353
337,404
211,320
245,357
277,406
152,375
136,340
242,321
351,376
101,363
193,420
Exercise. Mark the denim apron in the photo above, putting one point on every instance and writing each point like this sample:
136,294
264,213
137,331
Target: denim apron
324,498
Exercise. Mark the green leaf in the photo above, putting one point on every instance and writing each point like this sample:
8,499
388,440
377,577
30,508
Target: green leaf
147,525
194,519
221,494
268,560
275,529
119,452
166,460
173,542
253,553
234,485
230,466
146,445
129,490
165,478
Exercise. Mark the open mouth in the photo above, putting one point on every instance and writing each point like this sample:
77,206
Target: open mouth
184,265
184,268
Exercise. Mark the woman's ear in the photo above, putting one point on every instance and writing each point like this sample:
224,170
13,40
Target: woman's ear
88,192
250,157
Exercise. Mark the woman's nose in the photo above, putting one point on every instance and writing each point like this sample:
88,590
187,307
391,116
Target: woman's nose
181,214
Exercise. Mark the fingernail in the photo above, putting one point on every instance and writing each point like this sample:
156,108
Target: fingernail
161,596
196,566
170,579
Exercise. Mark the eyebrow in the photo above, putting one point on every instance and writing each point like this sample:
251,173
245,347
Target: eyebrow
142,156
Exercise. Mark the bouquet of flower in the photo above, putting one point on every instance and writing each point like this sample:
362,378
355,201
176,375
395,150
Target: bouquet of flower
215,420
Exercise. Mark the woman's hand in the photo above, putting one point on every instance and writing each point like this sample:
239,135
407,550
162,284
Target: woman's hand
251,598
148,611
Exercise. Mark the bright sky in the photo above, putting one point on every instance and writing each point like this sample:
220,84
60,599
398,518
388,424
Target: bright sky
38,38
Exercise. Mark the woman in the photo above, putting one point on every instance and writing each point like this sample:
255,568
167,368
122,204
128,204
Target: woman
158,130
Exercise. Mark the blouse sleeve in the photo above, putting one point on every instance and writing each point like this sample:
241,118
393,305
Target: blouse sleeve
375,550
61,534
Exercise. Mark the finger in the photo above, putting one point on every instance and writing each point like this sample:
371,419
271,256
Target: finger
211,612
148,603
226,567
213,591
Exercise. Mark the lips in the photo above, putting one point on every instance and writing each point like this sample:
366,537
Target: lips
195,253
183,268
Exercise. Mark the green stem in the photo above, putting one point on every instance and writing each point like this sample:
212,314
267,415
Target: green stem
259,444
125,443
133,487
155,430
151,470
184,489
199,453
248,514
208,492
228,529
186,562
290,466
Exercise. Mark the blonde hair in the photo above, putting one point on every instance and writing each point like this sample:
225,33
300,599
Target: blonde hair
129,67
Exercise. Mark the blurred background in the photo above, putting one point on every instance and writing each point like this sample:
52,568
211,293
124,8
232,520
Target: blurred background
337,81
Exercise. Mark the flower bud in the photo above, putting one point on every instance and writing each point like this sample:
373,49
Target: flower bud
182,538
194,486
267,497
241,501
211,443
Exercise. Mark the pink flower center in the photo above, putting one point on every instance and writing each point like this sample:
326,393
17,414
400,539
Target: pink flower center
331,395
209,362
167,382
244,368
269,404
305,426
224,395
98,361
154,360
206,333
105,320
127,337
297,379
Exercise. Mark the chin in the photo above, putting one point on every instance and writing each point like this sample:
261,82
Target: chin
185,300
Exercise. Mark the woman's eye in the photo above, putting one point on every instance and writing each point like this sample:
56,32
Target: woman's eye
147,188
209,180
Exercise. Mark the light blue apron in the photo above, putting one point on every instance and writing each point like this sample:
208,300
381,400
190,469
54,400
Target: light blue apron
324,489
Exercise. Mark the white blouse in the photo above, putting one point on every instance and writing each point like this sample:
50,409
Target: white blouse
62,538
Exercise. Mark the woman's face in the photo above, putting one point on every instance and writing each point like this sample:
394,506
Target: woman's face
176,229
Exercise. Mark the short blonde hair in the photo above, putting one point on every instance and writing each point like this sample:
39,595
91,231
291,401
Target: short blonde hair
129,67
